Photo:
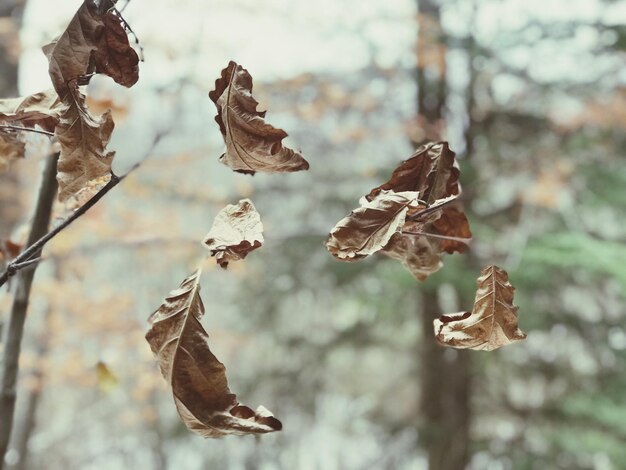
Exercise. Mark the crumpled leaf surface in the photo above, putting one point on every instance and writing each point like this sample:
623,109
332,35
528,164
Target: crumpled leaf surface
83,138
237,230
198,379
11,148
432,171
40,109
91,38
435,226
492,323
369,228
251,144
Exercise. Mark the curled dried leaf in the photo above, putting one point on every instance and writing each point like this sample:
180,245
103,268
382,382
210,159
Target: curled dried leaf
237,230
92,39
40,109
431,170
435,226
114,56
369,228
83,139
197,378
492,323
251,144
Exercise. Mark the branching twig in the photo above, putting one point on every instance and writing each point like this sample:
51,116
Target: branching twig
20,261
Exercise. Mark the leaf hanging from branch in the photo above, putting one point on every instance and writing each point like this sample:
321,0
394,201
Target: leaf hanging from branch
237,230
492,323
198,379
40,109
83,140
369,228
92,42
251,144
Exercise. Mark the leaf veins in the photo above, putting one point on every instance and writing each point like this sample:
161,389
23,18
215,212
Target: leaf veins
492,323
197,378
251,144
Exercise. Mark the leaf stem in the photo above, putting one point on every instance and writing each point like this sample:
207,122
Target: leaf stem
26,129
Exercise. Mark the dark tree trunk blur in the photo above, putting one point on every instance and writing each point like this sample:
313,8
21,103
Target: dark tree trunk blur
10,16
445,373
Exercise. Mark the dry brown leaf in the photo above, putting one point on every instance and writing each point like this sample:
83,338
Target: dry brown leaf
198,379
369,228
251,144
438,225
237,230
83,140
92,39
431,170
11,148
491,324
114,56
41,109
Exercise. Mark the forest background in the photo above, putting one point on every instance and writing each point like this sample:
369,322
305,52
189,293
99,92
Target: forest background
532,97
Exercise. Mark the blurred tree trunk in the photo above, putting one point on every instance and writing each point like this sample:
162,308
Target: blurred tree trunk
10,20
445,378
26,412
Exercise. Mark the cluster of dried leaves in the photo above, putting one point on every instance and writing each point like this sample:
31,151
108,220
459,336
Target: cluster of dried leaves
95,41
415,217
176,336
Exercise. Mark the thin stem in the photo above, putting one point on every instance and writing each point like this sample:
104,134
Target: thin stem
440,237
28,263
35,247
27,129
14,329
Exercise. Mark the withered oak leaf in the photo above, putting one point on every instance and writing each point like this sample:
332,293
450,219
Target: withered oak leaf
369,228
83,139
92,42
251,144
197,378
237,230
492,323
39,109
431,170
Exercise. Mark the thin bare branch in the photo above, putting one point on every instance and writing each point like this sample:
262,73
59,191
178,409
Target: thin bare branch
26,129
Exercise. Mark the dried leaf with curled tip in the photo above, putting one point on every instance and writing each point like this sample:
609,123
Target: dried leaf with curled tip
237,230
369,228
11,148
492,323
251,144
198,379
114,56
83,139
419,246
92,42
40,109
432,171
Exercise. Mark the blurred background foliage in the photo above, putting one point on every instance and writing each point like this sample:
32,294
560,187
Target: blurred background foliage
532,97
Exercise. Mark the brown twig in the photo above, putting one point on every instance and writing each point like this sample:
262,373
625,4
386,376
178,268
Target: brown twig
26,129
21,260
